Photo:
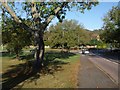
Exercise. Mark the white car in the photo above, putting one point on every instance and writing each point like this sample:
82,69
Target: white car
86,52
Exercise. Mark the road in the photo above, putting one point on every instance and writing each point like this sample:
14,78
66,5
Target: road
113,56
97,72
108,67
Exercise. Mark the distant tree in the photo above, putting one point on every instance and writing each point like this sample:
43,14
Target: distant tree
95,42
67,34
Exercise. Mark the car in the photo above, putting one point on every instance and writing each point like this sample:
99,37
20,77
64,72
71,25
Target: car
84,51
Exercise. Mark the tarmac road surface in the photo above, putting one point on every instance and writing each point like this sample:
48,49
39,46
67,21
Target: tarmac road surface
90,76
107,66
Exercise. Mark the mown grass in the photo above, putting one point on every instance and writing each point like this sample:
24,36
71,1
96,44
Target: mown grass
59,71
65,77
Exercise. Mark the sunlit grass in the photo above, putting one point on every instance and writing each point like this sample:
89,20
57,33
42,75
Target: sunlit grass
64,77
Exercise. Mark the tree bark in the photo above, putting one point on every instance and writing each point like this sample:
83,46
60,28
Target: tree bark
17,53
39,53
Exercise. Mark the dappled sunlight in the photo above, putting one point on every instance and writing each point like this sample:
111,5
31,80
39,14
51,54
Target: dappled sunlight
27,72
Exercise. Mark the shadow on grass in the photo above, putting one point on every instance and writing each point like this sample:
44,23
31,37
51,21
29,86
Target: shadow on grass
26,57
20,74
7,54
22,55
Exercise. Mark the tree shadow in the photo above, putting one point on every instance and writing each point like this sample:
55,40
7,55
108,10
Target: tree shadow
27,72
113,55
7,54
27,57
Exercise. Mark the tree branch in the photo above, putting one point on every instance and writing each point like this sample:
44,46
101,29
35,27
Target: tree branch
12,13
17,20
35,14
56,11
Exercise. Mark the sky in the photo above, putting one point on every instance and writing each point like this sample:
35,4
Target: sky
91,19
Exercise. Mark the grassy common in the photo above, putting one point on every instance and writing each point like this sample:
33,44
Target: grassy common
59,71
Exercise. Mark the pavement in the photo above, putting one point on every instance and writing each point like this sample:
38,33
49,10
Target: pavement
90,76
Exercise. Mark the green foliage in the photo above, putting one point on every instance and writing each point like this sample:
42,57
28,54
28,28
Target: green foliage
67,34
111,32
14,37
45,9
93,42
40,14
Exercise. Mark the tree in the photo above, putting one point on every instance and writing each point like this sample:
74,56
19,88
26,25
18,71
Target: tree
15,38
67,34
111,28
41,13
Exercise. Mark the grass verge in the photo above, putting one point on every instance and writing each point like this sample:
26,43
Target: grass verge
61,70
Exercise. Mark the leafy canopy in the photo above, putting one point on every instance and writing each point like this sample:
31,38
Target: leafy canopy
111,28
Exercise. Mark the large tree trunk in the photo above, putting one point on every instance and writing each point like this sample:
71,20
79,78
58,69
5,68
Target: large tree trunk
39,53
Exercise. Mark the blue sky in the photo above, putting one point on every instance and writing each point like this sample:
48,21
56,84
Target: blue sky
91,19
